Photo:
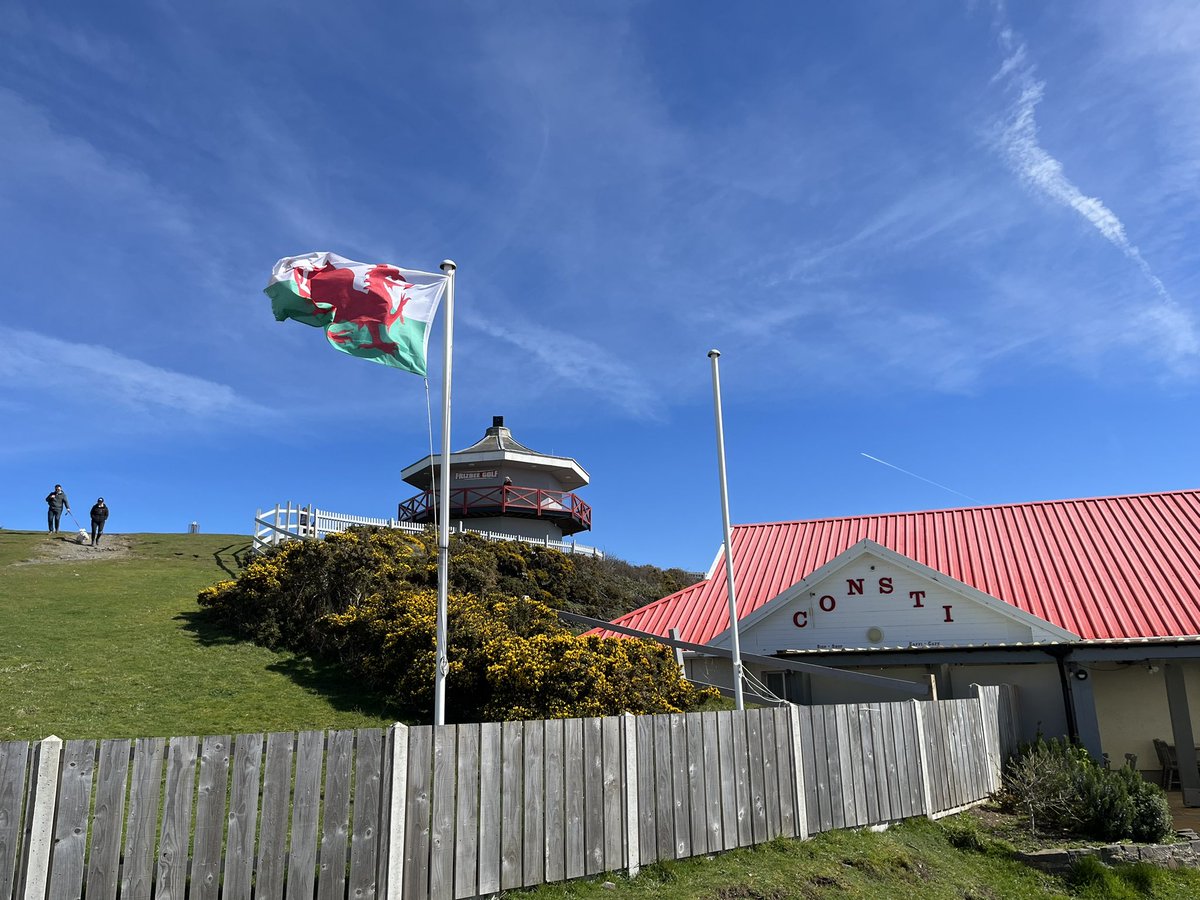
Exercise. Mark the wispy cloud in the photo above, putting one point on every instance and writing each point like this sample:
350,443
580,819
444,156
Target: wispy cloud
1019,140
47,369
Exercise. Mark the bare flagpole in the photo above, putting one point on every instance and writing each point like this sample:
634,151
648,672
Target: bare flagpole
733,617
442,660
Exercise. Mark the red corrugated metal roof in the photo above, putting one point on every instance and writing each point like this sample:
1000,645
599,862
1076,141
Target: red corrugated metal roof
1101,567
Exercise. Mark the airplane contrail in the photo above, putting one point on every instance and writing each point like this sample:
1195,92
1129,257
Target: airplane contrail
884,462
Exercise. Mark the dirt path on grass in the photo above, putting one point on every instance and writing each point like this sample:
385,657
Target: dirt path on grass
63,547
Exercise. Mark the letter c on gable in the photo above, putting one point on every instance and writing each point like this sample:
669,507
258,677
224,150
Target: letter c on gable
800,619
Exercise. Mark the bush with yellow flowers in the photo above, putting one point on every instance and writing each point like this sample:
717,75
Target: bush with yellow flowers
367,598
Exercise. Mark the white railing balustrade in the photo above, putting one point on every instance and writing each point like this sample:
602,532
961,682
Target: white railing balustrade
291,521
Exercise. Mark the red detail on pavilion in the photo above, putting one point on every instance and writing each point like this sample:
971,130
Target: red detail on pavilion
566,510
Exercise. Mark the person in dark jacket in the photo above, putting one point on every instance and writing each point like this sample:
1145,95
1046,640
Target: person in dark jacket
99,517
56,502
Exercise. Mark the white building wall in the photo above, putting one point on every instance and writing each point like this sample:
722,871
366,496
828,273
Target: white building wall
1131,704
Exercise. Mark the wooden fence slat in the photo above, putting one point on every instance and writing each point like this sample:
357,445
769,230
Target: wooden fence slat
137,873
613,775
70,827
555,859
14,764
573,788
335,823
784,770
697,801
365,836
104,857
593,795
417,813
441,833
270,873
512,799
766,724
664,793
741,780
799,766
727,773
466,847
629,796
754,758
302,856
819,751
712,781
533,869
867,713
210,818
243,816
680,788
888,751
175,842
647,803
856,812
489,807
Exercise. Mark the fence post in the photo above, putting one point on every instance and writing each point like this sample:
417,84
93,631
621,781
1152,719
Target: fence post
923,756
398,794
39,831
801,801
633,855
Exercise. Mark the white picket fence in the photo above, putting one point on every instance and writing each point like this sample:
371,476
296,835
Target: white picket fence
290,521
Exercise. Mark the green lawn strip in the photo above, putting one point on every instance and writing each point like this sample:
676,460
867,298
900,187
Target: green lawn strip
116,647
914,859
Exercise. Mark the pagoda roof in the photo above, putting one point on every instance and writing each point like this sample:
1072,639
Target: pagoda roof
499,447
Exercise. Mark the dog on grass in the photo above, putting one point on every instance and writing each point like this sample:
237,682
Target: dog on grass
82,537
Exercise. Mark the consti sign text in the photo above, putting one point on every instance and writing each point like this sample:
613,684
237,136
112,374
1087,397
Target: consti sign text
884,586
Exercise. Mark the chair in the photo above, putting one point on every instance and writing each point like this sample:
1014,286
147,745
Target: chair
1169,763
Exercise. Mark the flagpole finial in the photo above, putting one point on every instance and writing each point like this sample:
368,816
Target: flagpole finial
714,353
449,265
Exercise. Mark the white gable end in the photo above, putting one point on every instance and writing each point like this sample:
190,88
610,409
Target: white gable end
870,597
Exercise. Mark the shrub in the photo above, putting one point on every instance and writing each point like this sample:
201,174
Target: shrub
367,598
1059,786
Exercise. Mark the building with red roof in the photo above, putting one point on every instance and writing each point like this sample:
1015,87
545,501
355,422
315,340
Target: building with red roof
1090,606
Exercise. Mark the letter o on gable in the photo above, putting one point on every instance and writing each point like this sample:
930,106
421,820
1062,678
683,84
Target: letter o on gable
827,603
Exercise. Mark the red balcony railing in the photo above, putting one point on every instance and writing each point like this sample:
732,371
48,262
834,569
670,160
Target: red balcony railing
502,500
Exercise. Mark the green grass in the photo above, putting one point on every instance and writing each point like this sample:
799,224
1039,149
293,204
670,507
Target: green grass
953,858
116,647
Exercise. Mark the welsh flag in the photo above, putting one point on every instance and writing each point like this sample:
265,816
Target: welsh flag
374,311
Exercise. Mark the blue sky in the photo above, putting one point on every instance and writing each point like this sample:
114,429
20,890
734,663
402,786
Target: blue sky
962,238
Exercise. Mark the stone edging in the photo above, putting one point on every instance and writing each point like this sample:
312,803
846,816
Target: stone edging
1185,854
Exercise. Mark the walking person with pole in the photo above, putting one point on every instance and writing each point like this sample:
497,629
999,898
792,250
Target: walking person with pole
99,517
56,502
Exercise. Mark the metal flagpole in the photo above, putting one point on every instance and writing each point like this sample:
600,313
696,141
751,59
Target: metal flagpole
442,664
733,617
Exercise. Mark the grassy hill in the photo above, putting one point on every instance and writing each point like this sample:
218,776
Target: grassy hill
108,642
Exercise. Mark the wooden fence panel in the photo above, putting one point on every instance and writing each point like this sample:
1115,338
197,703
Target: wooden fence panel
754,762
104,857
70,827
243,816
137,871
533,869
302,857
573,796
511,797
727,775
786,769
613,752
647,802
14,764
697,801
466,845
664,796
741,780
490,749
442,807
555,827
887,756
387,783
365,836
680,789
934,768
852,770
417,813
816,785
867,714
270,872
335,820
712,781
766,724
835,752
174,844
593,796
